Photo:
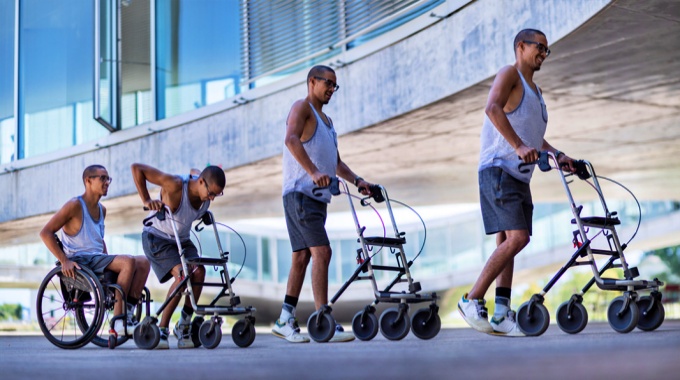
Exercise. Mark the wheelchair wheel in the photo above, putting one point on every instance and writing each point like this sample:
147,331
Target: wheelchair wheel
425,323
210,333
572,322
195,328
243,333
321,326
622,322
652,313
62,301
534,323
392,326
147,334
365,325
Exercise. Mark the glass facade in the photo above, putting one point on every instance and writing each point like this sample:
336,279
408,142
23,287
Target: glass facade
197,54
7,126
55,75
83,69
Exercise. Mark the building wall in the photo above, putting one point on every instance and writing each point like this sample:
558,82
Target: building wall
459,51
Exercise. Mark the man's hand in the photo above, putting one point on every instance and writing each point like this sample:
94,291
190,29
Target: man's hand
68,268
565,161
527,154
320,179
155,205
364,187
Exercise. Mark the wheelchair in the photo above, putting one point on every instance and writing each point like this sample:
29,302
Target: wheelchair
73,312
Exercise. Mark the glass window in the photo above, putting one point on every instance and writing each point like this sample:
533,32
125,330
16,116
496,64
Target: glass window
56,76
283,259
186,78
266,261
135,50
7,127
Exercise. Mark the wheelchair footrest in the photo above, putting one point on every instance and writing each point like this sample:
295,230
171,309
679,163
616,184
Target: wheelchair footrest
206,261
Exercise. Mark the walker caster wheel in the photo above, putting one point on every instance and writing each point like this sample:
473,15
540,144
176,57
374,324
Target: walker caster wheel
243,333
210,333
321,325
393,324
365,325
426,323
623,320
112,341
572,317
147,334
652,313
195,327
532,317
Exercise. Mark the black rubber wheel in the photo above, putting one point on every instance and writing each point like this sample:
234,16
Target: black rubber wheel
574,322
534,324
112,341
147,334
243,333
195,327
653,318
210,339
392,327
324,330
625,322
424,328
367,329
63,303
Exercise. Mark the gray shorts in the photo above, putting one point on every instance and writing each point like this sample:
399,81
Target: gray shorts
306,220
163,255
505,201
96,262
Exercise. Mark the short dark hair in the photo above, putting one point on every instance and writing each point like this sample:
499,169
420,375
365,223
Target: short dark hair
215,175
525,34
91,171
318,70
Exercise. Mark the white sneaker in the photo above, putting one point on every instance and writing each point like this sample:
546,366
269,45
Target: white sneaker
341,336
163,343
289,331
183,334
475,314
119,327
506,326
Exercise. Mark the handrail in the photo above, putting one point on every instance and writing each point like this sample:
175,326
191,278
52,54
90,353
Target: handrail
338,44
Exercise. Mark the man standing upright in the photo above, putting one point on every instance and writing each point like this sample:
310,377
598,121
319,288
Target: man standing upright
310,159
513,132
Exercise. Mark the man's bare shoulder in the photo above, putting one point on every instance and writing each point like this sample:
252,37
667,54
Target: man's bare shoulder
301,106
508,72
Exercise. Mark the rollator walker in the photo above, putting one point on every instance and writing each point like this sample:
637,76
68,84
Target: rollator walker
203,332
624,312
394,322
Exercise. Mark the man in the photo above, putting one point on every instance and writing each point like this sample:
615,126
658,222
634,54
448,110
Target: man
188,198
513,131
310,159
81,221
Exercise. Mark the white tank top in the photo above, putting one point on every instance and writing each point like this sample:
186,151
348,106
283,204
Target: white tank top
90,237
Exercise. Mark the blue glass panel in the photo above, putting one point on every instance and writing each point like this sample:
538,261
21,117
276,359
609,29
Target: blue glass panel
7,126
55,75
197,54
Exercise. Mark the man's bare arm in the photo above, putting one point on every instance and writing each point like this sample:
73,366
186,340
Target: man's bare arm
498,97
142,173
57,222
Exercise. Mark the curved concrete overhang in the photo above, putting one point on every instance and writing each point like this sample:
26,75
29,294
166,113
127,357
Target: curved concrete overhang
410,116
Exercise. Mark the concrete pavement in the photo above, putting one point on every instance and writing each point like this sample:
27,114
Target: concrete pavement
597,352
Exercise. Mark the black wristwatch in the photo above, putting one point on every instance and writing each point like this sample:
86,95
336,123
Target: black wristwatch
356,180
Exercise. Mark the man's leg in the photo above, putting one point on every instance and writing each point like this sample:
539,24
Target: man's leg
172,304
124,266
321,258
286,326
142,268
501,261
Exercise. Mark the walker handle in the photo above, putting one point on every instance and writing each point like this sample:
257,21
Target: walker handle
334,188
160,215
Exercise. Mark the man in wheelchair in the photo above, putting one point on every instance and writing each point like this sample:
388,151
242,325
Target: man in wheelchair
81,221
